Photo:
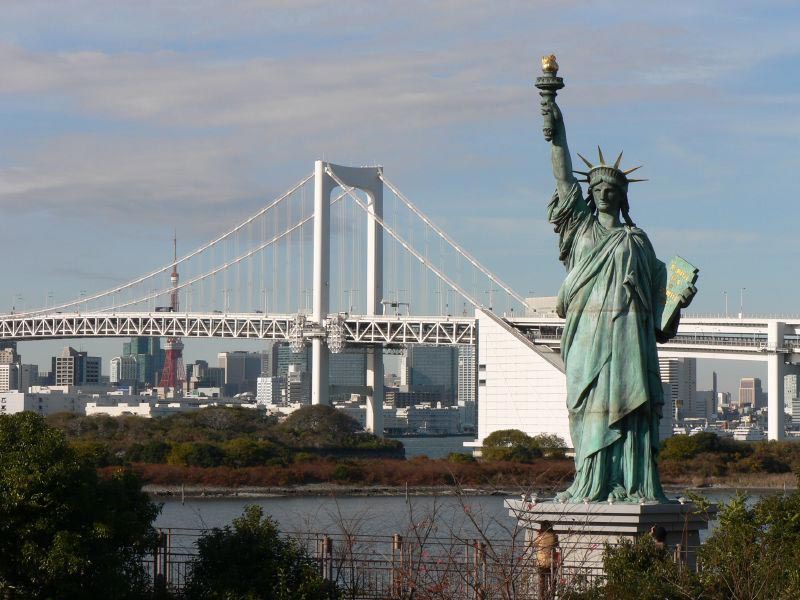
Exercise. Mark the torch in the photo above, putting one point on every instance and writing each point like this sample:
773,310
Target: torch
548,85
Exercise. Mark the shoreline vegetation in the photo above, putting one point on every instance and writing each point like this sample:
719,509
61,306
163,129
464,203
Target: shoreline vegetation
318,450
760,484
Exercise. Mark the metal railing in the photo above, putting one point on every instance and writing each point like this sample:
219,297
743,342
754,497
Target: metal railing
372,567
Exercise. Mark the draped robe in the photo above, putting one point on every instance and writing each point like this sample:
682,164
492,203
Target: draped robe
611,298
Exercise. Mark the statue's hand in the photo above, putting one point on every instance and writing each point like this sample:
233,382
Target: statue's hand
687,296
553,120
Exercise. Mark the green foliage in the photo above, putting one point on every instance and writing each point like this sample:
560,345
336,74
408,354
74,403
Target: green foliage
65,533
196,454
251,560
515,445
219,436
461,458
153,452
755,551
639,570
753,554
242,452
347,471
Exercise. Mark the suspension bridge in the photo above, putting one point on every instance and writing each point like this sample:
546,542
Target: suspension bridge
336,261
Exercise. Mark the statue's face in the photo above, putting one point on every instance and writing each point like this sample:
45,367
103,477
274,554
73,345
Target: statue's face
607,198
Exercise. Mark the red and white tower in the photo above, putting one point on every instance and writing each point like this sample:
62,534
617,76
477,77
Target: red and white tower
173,374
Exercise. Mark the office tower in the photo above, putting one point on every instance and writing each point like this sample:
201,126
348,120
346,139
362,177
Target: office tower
298,386
268,391
433,367
76,368
149,358
242,369
282,357
28,376
790,389
467,374
348,369
123,370
681,375
9,377
750,393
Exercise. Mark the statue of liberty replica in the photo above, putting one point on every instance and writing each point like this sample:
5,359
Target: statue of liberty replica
618,300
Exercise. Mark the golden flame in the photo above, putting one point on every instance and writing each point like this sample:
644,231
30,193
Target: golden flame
549,64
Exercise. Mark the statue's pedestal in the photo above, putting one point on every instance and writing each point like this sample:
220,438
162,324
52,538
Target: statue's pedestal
584,529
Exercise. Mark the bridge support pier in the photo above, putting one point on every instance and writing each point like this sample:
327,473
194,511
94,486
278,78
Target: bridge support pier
776,369
375,381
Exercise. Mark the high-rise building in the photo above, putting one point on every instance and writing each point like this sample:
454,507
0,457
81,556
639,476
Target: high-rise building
76,368
681,375
750,393
9,377
282,357
467,374
268,391
149,359
298,386
28,376
790,391
348,369
433,366
9,356
123,370
242,369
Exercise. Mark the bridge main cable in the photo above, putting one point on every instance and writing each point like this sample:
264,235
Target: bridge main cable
471,259
171,265
227,264
349,191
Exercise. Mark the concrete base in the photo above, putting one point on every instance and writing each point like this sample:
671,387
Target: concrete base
584,529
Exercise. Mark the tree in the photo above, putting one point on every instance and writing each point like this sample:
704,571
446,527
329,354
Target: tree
251,560
515,445
64,532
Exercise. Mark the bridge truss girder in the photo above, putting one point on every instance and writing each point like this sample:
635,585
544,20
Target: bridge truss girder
357,330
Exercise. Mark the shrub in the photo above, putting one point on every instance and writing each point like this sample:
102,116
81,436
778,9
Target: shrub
510,445
251,560
196,454
155,452
460,458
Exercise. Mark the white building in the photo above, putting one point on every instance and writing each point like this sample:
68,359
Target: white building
268,391
520,385
9,377
681,374
43,403
123,370
467,374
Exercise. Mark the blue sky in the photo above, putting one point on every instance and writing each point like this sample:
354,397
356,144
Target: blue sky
120,119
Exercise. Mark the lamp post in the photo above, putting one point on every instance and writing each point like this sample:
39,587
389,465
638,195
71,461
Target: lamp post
741,302
726,303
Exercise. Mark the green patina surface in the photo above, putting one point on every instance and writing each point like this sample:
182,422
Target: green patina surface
618,302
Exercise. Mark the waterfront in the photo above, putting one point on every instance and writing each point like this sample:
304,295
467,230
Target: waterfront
455,516
435,447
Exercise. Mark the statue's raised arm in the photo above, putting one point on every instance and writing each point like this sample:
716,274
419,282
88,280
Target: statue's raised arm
553,127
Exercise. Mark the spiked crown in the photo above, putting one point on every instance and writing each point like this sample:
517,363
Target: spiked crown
608,173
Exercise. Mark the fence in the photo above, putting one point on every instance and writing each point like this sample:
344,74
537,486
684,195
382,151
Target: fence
367,567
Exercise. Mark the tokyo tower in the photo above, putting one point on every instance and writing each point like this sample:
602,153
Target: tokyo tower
173,374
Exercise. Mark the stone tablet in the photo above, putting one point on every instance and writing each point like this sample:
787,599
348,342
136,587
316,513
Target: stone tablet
681,274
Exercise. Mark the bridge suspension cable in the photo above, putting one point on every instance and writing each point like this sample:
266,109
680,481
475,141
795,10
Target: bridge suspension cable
349,191
226,265
471,259
143,278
